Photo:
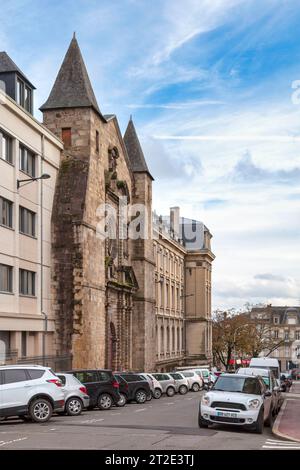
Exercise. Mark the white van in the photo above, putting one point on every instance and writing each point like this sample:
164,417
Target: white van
267,363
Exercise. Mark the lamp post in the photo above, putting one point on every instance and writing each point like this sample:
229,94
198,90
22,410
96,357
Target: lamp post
21,183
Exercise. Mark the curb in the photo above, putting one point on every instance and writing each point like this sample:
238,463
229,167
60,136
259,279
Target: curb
277,423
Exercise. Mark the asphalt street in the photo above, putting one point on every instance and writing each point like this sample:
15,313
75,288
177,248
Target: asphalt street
165,424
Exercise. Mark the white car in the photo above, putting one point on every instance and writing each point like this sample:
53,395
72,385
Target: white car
76,396
239,400
30,392
155,387
181,382
195,382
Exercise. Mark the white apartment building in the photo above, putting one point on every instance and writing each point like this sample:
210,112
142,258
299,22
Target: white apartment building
27,151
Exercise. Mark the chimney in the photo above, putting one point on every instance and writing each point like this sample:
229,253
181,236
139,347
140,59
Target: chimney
174,221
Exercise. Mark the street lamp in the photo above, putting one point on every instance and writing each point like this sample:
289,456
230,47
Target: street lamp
44,176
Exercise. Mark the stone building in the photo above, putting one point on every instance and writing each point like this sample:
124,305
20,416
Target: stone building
102,286
27,150
284,326
183,261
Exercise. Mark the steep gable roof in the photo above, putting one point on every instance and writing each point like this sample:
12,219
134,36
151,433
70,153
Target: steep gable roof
7,65
72,87
135,153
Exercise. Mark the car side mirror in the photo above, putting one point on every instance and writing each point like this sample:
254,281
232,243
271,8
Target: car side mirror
268,393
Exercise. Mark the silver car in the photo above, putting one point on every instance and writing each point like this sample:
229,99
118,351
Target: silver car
156,387
76,397
167,383
181,382
195,382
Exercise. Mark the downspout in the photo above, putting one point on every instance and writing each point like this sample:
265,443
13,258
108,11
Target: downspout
42,257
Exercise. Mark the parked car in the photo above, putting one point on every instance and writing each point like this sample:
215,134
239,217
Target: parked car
204,374
267,363
237,399
150,381
138,387
102,387
271,384
286,381
167,383
181,382
76,396
30,392
157,388
123,390
195,382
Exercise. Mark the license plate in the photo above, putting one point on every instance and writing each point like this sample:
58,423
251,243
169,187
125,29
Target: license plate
227,414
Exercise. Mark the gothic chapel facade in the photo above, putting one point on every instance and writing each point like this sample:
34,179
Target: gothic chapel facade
103,291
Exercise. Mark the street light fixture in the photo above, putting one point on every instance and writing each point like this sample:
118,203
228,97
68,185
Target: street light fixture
44,176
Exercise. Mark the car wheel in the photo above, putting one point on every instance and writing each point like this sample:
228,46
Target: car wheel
140,396
157,393
122,401
149,396
195,387
74,406
202,423
183,389
259,425
105,401
270,420
170,392
40,410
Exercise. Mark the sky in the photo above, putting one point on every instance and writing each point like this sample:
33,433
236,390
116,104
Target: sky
212,88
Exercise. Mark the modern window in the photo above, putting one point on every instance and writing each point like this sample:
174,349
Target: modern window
27,222
6,278
6,212
6,147
24,343
24,95
27,161
27,282
66,136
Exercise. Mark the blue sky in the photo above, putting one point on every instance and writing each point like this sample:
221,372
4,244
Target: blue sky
209,85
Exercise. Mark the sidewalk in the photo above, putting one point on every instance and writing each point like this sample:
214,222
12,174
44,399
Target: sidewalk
287,423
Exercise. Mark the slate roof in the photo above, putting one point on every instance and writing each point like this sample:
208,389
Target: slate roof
72,87
7,65
134,150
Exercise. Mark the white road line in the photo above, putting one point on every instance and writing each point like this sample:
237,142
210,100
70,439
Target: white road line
3,443
272,441
281,447
277,444
170,403
90,421
142,409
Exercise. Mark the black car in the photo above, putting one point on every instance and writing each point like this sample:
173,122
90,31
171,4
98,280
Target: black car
102,387
138,389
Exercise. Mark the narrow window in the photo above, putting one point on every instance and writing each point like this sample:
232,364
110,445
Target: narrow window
6,209
6,278
6,147
27,161
27,282
97,141
27,222
24,343
66,136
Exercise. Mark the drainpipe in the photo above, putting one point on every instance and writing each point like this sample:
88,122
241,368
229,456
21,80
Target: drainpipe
42,257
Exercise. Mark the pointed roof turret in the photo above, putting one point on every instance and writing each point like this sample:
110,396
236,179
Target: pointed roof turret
72,87
134,150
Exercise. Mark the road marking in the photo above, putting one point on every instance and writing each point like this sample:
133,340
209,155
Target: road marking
277,444
142,409
170,403
4,443
114,414
91,421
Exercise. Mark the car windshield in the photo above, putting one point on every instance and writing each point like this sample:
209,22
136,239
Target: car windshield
238,384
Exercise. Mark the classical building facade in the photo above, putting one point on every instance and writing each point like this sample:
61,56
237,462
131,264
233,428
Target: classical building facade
27,150
183,260
284,326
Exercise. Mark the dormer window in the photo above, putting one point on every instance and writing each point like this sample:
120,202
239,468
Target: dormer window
276,320
24,95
